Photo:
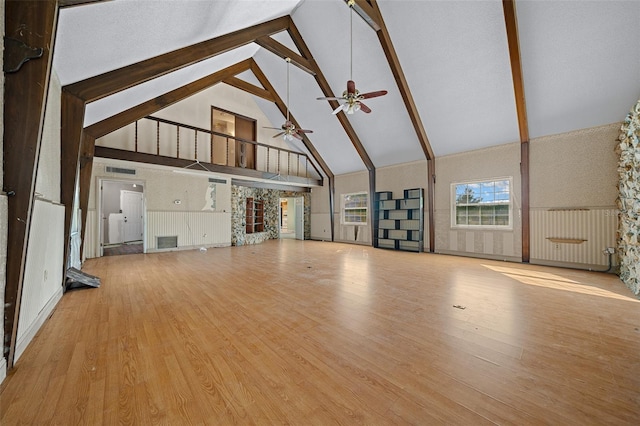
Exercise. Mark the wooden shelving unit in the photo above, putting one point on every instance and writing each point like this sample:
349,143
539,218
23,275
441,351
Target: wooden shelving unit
399,223
254,216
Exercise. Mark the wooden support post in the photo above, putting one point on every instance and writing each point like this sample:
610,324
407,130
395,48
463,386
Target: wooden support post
34,24
86,167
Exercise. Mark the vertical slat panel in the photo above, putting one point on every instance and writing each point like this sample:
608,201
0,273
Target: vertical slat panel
595,225
192,228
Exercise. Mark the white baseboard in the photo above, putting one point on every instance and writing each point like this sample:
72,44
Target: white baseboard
28,336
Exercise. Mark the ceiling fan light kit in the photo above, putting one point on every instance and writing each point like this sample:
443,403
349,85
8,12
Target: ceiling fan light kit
288,129
351,97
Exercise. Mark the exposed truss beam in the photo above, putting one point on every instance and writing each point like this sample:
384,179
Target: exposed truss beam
326,90
71,3
370,12
284,52
511,23
262,78
34,23
106,84
250,88
140,111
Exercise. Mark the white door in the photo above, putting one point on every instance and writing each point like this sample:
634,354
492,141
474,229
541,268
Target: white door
132,207
299,218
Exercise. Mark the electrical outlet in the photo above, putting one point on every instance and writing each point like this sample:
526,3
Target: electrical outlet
556,246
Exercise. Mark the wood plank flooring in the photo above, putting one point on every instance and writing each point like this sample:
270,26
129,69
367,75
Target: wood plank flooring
291,332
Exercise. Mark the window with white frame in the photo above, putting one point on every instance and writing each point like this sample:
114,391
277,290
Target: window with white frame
354,209
482,203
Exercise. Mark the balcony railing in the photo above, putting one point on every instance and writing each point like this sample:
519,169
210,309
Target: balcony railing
167,138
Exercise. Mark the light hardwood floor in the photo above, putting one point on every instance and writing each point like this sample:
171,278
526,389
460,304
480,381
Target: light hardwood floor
291,332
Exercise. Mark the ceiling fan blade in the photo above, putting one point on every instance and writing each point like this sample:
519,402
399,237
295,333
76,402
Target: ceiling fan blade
279,134
297,135
364,108
274,128
373,94
351,86
330,98
340,108
304,131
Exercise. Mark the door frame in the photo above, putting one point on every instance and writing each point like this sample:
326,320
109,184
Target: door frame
99,215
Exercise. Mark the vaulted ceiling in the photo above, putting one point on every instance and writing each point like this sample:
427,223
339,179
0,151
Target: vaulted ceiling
580,62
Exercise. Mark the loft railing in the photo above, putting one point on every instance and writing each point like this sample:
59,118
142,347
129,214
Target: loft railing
167,138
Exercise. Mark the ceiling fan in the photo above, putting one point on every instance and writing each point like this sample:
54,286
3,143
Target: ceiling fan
288,129
351,97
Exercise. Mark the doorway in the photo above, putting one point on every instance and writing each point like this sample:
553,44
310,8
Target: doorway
292,218
122,213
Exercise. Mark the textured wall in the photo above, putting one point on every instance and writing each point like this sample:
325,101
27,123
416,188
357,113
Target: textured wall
495,162
575,169
629,200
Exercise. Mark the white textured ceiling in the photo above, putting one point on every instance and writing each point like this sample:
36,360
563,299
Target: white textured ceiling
581,65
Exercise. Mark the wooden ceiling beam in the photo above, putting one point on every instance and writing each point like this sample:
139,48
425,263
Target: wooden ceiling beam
124,118
103,85
284,52
249,88
326,90
368,13
33,23
511,24
72,3
262,78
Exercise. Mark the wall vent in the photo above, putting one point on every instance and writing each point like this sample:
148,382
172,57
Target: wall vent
167,242
214,180
120,170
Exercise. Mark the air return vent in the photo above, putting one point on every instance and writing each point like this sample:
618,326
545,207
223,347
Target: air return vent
214,180
120,170
167,242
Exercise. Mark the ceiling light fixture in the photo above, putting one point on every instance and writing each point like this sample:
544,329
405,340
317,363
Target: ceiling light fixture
352,98
288,130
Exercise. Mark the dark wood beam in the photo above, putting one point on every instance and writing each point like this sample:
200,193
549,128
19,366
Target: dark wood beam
144,109
106,84
370,12
140,157
511,23
342,118
262,78
326,90
284,52
71,3
86,167
250,88
71,116
25,94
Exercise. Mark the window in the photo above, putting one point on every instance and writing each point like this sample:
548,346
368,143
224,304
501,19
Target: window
484,204
354,208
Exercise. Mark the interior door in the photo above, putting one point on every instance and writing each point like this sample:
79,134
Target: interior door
132,207
245,152
299,218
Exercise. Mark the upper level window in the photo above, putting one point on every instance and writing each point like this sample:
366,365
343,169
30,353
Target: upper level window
354,209
482,204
